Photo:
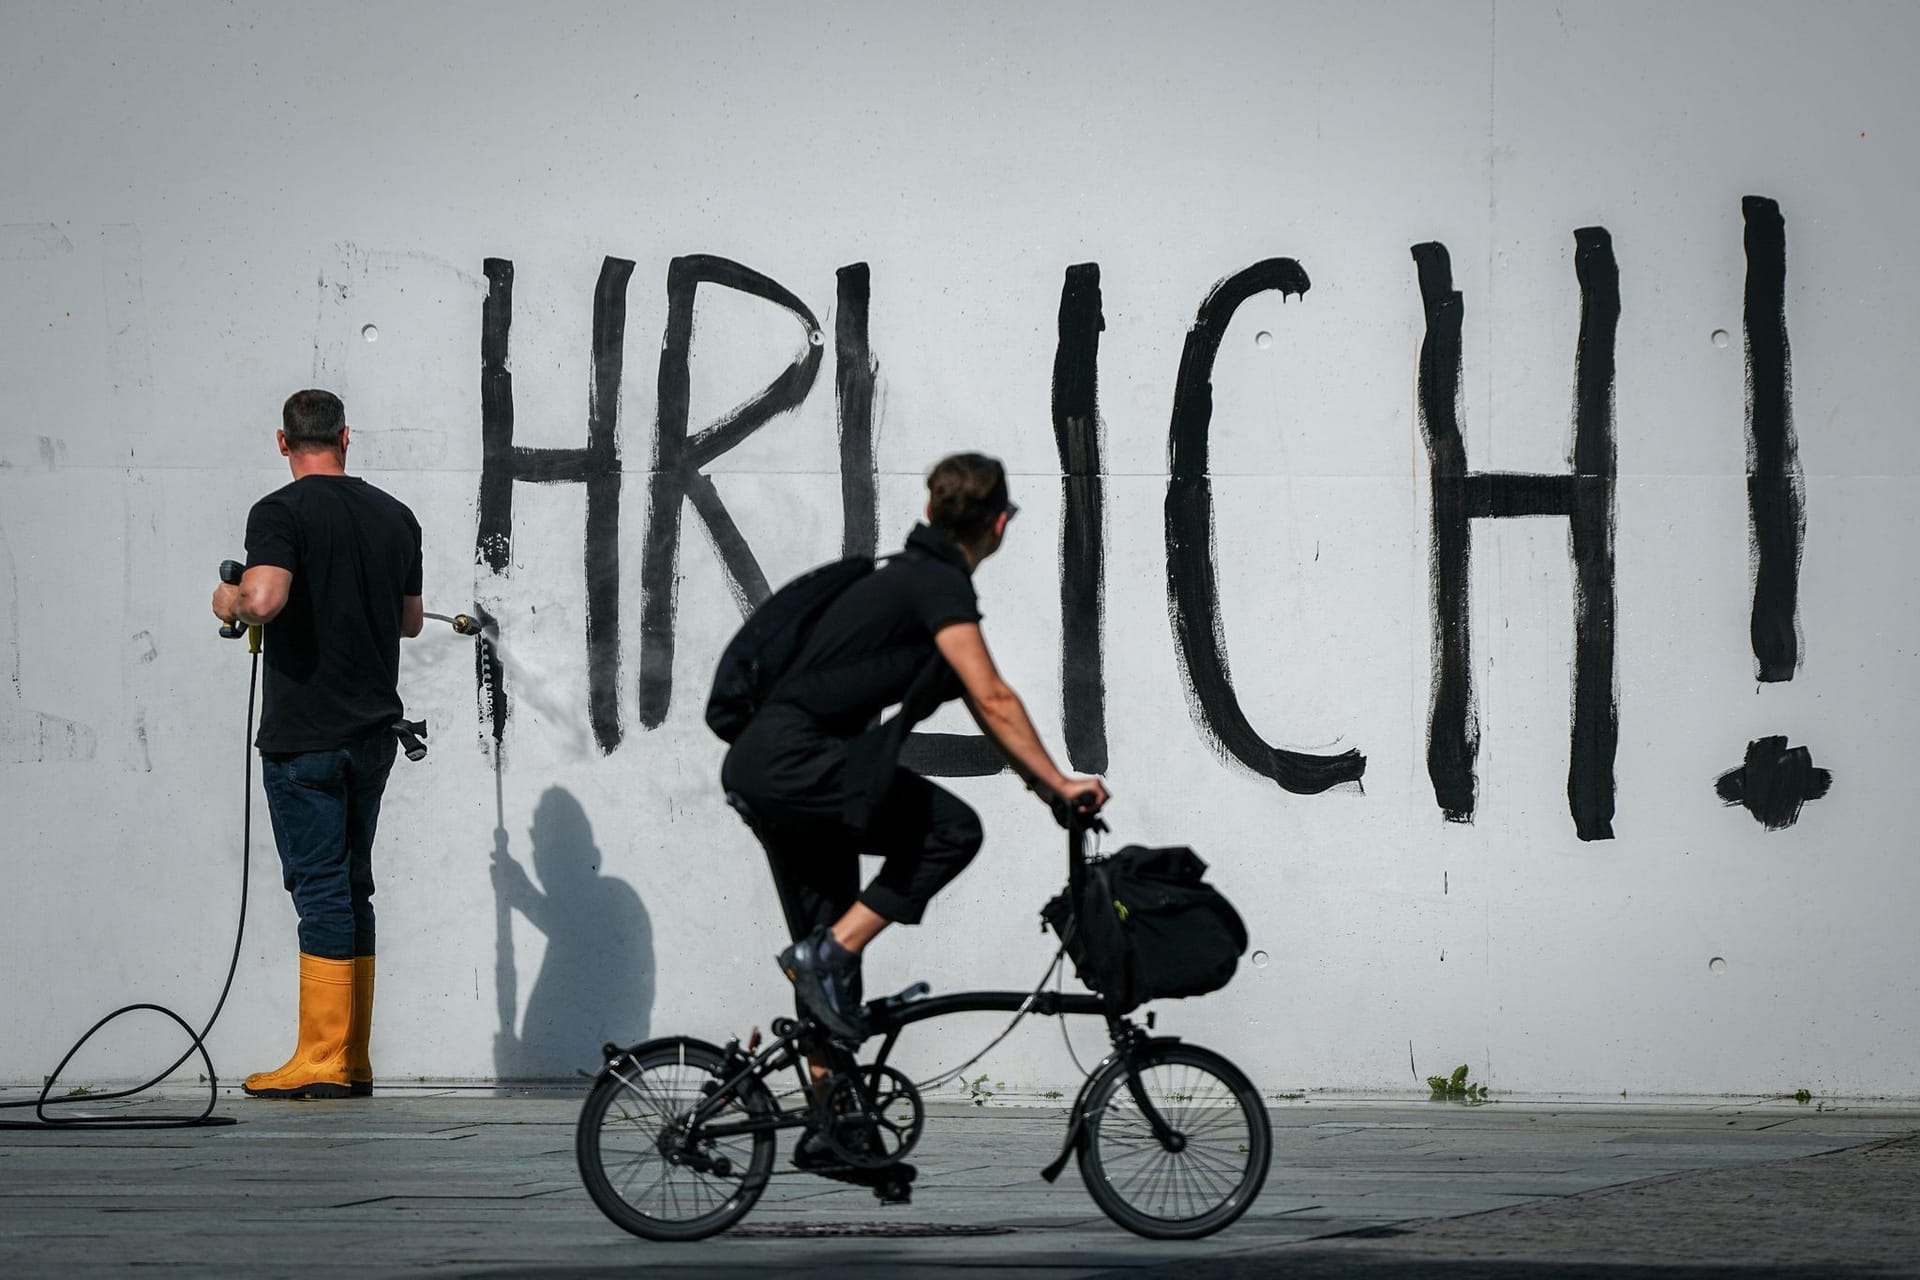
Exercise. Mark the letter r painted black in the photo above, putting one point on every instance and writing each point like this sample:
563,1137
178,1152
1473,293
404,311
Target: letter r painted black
677,478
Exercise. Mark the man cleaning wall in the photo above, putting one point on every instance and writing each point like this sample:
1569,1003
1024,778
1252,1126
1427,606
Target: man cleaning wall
333,574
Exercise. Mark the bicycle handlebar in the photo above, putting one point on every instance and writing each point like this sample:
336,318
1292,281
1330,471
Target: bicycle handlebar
1078,814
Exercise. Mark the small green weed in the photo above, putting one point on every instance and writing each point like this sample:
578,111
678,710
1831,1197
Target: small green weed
977,1091
1455,1088
79,1091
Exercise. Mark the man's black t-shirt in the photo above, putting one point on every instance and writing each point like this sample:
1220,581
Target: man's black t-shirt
877,636
333,653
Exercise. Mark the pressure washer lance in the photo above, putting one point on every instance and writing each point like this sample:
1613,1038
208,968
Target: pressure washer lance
463,624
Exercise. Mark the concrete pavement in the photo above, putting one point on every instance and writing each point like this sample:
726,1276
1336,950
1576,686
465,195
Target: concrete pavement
469,1182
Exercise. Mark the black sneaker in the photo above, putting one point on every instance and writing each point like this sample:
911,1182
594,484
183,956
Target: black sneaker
812,1153
828,984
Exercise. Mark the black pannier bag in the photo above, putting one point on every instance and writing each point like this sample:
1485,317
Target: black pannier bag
1149,927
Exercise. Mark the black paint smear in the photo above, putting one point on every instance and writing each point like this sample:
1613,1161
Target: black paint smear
1775,488
1193,598
854,374
1596,695
678,459
1585,497
1774,782
1076,432
597,466
1453,725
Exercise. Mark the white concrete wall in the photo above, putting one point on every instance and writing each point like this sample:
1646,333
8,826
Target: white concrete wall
204,205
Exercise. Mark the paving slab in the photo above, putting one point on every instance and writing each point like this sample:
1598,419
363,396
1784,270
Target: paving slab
481,1181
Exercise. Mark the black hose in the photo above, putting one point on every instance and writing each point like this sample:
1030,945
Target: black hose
206,1118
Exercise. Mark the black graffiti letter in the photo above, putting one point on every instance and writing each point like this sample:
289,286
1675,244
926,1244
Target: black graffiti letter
1775,490
1584,496
1076,432
1192,592
854,372
597,466
678,458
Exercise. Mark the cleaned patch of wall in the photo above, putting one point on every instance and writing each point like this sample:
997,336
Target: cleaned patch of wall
1464,452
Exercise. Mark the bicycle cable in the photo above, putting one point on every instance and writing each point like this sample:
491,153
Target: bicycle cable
1059,979
1026,1006
206,1118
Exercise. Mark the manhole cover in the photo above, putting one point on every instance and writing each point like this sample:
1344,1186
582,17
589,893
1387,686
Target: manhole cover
839,1230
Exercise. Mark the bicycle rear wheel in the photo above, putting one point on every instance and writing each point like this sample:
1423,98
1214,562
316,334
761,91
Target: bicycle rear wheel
643,1166
1220,1156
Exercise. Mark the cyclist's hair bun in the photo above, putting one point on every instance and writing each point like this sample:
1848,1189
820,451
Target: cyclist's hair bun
966,492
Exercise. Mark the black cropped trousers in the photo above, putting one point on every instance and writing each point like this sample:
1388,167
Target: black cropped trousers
792,779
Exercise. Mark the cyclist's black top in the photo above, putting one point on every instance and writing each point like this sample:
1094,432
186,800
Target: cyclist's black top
333,653
871,643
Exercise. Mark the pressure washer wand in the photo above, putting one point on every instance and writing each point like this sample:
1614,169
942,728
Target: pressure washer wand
463,624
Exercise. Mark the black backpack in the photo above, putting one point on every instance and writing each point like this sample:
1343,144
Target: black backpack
770,639
1148,927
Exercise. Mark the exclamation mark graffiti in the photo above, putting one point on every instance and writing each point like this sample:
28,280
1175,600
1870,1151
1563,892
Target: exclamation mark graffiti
1774,780
1776,493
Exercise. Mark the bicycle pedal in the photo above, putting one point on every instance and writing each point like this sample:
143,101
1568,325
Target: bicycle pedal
897,1187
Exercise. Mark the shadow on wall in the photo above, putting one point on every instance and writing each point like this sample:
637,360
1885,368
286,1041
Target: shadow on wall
596,982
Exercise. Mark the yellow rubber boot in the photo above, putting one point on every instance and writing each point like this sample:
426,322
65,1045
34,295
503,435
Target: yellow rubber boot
318,1068
360,1029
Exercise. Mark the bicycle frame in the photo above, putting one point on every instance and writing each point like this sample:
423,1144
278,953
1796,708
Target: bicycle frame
888,1016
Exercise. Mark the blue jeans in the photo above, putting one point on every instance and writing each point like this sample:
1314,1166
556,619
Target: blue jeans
324,806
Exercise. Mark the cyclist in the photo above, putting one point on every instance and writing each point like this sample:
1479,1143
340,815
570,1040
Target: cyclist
823,786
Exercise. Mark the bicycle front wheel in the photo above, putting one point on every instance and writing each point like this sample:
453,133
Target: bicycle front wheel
647,1169
1207,1175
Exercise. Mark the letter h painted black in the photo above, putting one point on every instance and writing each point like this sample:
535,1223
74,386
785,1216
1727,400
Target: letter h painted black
596,465
1585,496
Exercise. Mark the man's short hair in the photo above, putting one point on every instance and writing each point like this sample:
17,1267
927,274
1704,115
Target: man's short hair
313,420
966,492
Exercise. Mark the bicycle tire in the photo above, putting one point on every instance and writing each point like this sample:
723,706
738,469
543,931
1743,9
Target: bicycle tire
1184,1194
622,1156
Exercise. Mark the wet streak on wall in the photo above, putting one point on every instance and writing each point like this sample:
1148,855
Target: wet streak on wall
1585,496
1777,521
678,457
596,465
1076,433
1193,596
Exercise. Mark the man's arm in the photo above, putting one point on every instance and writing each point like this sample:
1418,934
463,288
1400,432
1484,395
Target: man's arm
257,600
1003,717
413,616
